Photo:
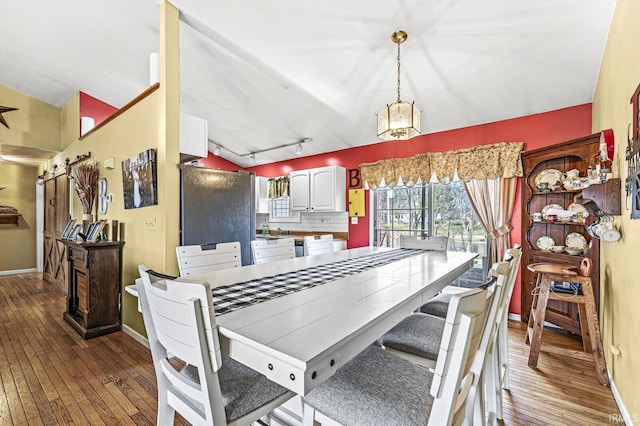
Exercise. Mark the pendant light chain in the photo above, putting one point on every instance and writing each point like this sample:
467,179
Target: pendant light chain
398,71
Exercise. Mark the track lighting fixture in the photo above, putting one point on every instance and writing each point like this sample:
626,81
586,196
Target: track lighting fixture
252,154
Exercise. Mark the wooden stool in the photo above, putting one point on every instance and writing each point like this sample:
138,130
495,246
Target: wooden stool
591,339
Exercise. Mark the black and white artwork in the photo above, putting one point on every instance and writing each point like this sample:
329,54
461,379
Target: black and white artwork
139,180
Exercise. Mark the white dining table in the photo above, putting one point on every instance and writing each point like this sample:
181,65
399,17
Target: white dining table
300,339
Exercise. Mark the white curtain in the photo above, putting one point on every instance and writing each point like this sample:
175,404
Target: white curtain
493,201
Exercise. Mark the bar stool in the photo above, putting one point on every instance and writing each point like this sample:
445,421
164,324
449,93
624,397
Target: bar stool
591,339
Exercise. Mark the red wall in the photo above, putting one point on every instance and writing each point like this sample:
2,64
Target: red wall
535,131
95,108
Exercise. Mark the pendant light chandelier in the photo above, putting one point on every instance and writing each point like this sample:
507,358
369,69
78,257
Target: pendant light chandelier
400,120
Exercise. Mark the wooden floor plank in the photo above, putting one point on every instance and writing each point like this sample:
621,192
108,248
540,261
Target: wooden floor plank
50,375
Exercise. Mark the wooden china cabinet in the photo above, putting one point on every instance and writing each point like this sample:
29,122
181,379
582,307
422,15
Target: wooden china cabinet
574,154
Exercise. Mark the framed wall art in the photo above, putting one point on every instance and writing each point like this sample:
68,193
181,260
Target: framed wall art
139,180
632,184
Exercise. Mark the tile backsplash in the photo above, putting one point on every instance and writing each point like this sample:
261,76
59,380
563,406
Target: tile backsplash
309,222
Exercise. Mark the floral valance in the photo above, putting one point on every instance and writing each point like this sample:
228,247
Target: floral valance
480,162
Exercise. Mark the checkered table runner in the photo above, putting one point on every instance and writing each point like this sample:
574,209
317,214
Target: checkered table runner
235,296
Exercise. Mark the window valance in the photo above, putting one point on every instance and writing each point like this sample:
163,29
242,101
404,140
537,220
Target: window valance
278,187
480,162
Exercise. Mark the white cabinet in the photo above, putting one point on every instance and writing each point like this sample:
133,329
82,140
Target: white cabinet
299,191
262,194
322,189
194,134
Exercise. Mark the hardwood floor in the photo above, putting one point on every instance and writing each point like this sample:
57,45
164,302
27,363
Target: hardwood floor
49,375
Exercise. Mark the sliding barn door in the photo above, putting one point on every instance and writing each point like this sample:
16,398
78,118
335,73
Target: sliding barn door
56,216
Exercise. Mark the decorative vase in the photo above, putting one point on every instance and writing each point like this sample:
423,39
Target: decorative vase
87,218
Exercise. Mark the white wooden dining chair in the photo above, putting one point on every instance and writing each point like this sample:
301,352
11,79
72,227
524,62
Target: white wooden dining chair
438,305
377,387
417,338
264,251
497,377
197,259
424,243
211,388
318,244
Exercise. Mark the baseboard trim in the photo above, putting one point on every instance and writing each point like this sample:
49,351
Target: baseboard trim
19,271
135,335
628,420
515,317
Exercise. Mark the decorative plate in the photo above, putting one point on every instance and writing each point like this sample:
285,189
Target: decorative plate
611,235
550,176
577,240
578,209
546,208
545,243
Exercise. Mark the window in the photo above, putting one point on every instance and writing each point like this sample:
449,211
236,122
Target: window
279,211
432,209
280,207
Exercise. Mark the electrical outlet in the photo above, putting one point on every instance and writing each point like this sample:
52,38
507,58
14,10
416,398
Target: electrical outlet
150,224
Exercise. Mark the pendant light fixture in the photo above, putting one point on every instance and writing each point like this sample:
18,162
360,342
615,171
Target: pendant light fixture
400,120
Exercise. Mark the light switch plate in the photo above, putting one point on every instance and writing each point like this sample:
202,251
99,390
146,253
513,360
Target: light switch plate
354,220
150,224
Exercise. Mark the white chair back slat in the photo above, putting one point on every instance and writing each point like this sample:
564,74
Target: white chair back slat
196,259
264,250
426,243
318,245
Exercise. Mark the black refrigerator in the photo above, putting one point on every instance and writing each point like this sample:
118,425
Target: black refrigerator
217,207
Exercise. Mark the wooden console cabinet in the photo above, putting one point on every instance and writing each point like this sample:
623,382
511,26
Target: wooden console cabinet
94,278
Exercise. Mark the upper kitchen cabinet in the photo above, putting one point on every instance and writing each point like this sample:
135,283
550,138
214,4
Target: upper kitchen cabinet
318,190
262,194
193,137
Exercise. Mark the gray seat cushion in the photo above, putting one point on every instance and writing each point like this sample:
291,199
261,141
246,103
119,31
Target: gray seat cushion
418,334
243,390
438,305
375,388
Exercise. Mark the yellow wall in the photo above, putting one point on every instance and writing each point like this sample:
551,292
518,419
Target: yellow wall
152,123
18,243
36,124
620,289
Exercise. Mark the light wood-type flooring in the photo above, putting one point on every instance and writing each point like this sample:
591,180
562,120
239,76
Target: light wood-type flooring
49,375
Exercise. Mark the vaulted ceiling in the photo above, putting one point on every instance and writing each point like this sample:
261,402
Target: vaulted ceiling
266,74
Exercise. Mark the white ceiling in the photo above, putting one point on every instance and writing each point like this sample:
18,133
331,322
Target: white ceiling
270,73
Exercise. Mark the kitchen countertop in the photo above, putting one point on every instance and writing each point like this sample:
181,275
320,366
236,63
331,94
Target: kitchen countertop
299,236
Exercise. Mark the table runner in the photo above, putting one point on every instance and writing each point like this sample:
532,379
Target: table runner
235,296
